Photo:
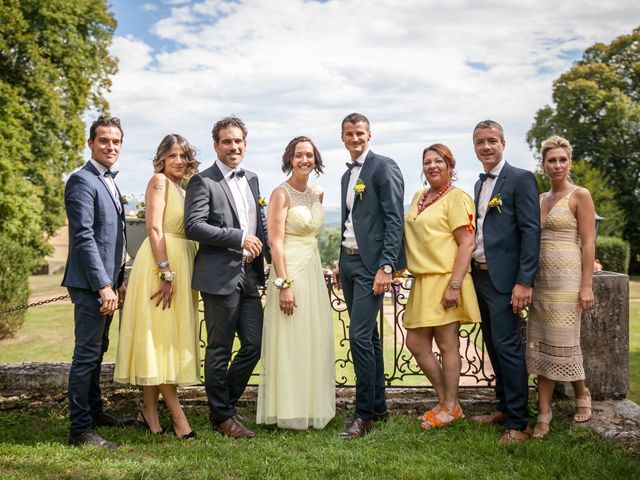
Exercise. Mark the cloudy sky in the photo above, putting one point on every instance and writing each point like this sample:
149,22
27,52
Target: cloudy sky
423,71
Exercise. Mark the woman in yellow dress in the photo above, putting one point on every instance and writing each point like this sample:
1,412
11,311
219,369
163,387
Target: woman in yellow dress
439,241
158,345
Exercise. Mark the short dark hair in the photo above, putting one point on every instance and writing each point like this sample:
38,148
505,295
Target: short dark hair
290,150
105,122
490,124
228,122
165,147
355,118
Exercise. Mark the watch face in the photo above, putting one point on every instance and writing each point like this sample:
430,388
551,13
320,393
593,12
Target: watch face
387,269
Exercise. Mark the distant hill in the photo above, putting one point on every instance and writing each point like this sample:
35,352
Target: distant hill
332,216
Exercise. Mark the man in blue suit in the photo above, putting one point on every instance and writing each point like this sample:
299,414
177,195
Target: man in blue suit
93,275
372,222
504,265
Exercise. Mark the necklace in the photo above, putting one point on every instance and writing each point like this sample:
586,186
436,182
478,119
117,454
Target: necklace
424,201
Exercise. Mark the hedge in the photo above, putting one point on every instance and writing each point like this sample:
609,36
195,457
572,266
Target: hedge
16,262
613,253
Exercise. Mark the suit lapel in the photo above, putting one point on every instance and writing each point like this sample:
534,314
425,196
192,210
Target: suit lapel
364,176
476,192
344,185
225,188
89,166
504,173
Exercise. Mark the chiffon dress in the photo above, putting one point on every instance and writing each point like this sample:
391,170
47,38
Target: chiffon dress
159,346
297,377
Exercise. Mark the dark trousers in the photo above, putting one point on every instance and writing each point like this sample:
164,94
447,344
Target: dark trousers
91,342
364,339
502,338
225,315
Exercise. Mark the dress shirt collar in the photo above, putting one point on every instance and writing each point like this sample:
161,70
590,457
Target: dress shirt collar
497,169
101,168
226,170
362,158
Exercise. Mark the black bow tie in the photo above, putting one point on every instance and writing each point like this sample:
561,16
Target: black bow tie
350,165
484,176
237,173
111,173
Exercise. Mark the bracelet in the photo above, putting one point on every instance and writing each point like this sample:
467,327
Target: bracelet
167,276
454,284
282,283
163,264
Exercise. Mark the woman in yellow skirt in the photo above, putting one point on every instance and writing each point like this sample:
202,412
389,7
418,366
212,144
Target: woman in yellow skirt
158,344
439,241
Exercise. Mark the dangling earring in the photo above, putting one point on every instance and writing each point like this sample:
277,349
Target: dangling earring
423,179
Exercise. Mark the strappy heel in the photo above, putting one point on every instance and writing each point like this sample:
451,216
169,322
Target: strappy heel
544,419
583,403
142,421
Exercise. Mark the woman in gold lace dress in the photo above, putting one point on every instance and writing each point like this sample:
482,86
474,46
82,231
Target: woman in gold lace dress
563,285
297,378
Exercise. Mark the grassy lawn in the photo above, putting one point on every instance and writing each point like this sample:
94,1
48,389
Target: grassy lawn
32,446
46,285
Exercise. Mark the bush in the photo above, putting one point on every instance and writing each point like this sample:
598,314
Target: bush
16,262
613,253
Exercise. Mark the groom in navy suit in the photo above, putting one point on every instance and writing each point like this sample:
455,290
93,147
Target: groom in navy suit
94,276
372,221
504,265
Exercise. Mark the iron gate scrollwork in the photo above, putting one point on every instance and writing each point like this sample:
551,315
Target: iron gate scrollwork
402,371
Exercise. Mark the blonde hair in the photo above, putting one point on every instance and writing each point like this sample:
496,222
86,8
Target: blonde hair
555,142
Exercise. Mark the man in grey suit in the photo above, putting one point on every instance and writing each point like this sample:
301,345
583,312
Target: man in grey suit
223,213
372,221
93,274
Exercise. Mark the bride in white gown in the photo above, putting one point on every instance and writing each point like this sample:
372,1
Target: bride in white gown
297,380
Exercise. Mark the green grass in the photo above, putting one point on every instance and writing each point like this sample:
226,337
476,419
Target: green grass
32,446
47,336
46,285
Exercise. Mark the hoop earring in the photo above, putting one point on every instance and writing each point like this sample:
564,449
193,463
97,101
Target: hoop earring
423,179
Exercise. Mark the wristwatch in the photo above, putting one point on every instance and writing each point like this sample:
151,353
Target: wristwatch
387,268
163,264
454,284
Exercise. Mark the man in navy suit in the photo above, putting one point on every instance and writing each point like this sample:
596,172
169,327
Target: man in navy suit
372,222
94,276
504,265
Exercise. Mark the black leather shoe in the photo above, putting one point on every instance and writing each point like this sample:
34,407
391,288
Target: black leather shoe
377,417
104,419
358,429
91,438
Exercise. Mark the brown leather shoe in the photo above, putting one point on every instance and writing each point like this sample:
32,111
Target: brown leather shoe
514,437
359,428
234,429
377,417
494,418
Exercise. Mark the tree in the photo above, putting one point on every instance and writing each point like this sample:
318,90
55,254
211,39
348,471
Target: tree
596,105
329,246
54,65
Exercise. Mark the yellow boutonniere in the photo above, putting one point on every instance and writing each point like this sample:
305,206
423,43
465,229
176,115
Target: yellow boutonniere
262,202
359,188
496,202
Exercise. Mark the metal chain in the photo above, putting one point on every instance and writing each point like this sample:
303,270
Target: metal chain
34,304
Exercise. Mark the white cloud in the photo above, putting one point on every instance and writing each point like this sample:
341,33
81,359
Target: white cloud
423,71
150,7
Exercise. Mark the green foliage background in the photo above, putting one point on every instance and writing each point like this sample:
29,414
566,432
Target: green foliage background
596,106
54,66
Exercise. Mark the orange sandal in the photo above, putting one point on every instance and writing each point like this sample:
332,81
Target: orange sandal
430,413
434,421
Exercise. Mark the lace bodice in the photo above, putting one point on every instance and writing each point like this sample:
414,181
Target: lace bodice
305,217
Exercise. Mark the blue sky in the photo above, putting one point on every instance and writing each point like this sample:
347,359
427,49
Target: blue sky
423,71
